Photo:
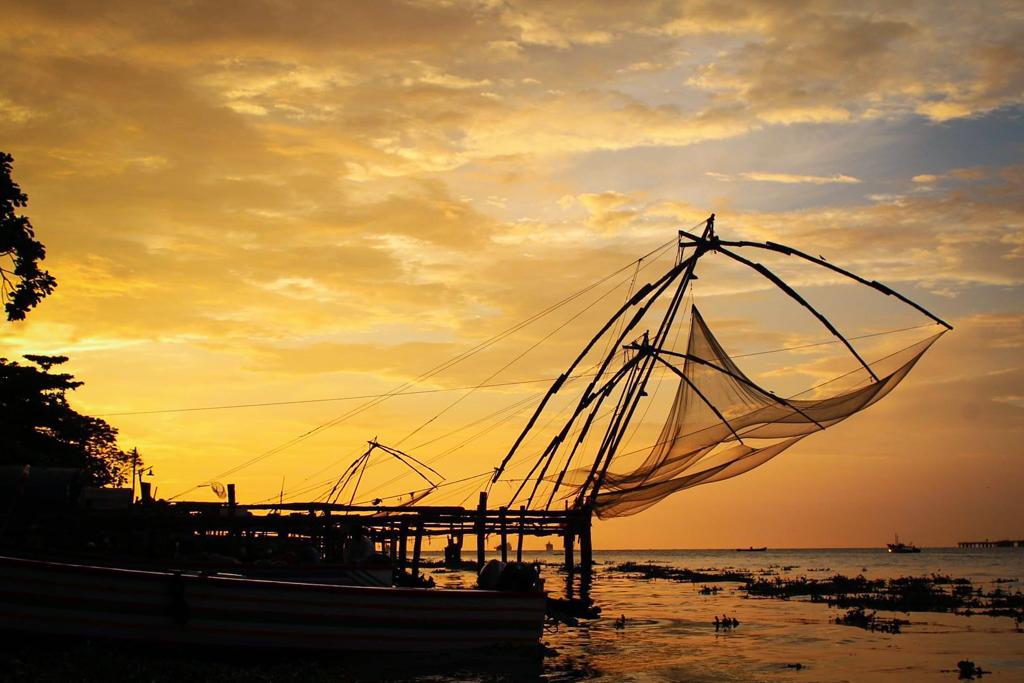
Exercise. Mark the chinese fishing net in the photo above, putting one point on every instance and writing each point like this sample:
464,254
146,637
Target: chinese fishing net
747,426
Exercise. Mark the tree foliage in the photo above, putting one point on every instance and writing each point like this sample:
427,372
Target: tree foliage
22,284
38,427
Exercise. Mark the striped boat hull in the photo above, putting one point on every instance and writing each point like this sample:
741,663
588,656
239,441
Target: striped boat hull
169,608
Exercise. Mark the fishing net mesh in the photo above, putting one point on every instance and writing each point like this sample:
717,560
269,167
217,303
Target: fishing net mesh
698,445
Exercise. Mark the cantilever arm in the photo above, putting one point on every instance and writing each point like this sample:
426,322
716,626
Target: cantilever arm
402,456
874,284
781,284
557,440
657,287
347,475
715,410
738,378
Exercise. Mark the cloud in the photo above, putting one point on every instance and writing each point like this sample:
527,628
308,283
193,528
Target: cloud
786,178
262,201
819,64
430,91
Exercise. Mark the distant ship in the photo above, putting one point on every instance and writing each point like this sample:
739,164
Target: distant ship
897,547
548,547
752,549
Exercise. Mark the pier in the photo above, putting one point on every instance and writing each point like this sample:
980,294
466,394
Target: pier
991,544
155,528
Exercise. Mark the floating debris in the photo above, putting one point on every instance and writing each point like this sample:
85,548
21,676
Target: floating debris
870,622
968,670
726,623
569,611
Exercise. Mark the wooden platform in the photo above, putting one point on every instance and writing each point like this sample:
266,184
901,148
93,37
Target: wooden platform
160,528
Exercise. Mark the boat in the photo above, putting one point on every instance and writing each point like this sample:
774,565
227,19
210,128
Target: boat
377,572
897,547
46,598
752,549
549,547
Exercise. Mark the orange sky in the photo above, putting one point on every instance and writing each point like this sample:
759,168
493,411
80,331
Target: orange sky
254,202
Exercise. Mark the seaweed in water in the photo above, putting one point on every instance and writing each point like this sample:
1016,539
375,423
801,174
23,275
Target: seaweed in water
935,593
659,571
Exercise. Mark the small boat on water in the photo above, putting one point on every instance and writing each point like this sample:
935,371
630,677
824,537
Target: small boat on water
897,547
178,608
752,549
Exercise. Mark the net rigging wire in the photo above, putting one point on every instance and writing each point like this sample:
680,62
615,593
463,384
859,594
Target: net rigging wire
428,374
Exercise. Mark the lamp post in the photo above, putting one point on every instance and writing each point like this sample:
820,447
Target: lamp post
135,462
147,471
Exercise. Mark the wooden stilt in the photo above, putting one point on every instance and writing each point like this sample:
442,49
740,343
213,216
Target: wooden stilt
570,564
586,553
417,545
403,532
519,541
503,526
481,531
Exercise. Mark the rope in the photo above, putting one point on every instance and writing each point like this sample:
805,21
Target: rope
430,373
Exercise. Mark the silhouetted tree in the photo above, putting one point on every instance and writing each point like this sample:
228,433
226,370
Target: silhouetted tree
38,427
22,283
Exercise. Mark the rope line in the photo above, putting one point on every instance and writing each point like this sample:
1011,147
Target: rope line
430,373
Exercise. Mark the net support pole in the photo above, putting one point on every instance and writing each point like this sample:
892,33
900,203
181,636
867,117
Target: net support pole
636,391
700,394
738,378
651,290
792,293
874,284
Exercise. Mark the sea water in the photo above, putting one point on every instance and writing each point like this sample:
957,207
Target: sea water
669,632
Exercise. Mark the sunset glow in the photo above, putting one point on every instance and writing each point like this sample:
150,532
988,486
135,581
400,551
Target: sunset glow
251,203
